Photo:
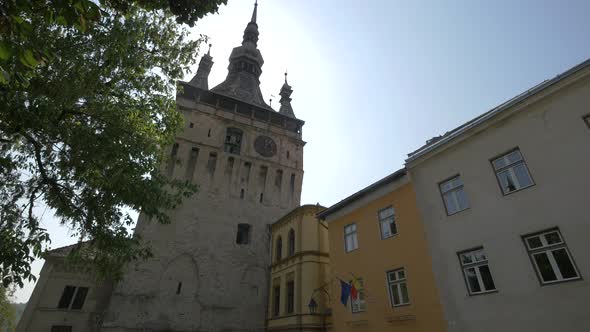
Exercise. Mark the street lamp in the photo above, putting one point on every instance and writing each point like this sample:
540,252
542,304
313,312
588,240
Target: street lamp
313,306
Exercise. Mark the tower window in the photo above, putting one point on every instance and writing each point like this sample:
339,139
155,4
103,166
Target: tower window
243,236
191,125
192,161
292,184
178,288
66,297
212,162
279,179
261,197
77,294
233,140
172,160
209,133
242,193
287,154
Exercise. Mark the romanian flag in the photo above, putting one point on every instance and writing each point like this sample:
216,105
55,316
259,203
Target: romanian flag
355,285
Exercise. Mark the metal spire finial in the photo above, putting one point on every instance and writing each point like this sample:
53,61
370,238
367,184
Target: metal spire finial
209,51
253,20
285,76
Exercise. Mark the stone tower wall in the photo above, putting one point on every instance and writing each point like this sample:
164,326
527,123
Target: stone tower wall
200,279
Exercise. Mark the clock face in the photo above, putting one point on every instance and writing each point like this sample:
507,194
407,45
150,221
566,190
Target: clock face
265,146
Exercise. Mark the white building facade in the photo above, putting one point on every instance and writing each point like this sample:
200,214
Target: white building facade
504,200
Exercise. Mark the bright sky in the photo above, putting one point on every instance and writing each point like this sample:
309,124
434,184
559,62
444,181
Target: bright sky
374,79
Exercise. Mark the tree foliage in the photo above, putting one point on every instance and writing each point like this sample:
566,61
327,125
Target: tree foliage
7,312
88,106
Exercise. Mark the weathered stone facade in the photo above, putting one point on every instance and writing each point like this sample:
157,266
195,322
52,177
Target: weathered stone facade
247,160
210,266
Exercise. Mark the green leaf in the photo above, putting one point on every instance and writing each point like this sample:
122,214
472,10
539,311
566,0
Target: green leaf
5,50
28,59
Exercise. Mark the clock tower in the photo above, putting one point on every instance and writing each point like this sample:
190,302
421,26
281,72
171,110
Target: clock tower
210,266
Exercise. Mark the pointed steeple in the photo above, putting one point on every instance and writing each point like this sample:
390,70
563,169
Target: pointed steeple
201,79
251,32
245,67
253,19
286,91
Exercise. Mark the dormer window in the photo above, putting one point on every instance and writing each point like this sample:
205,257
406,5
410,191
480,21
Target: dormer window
233,140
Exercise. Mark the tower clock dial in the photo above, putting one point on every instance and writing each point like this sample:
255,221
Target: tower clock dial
265,146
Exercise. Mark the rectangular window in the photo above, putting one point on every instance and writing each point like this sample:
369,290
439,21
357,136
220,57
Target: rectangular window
292,184
359,304
243,236
477,271
212,163
80,298
453,195
350,241
290,296
279,179
277,300
398,287
512,172
172,160
61,328
192,161
66,297
550,257
387,222
587,120
233,140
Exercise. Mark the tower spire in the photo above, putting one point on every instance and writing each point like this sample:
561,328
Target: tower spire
253,20
285,101
201,78
245,67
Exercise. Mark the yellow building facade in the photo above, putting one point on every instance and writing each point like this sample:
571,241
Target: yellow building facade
299,272
376,237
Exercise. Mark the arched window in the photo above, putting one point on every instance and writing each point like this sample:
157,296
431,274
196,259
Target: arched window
279,248
291,242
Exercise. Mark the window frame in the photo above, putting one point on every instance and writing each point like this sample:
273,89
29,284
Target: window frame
549,248
362,304
74,297
355,233
244,233
502,169
586,119
397,283
233,147
385,219
279,248
291,243
276,297
290,297
442,194
476,264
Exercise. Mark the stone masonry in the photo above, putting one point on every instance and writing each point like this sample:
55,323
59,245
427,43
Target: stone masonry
209,270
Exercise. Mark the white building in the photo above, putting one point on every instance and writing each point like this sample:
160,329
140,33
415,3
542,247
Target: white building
504,200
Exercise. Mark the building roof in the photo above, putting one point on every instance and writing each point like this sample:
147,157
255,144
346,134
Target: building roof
65,250
439,141
296,210
363,192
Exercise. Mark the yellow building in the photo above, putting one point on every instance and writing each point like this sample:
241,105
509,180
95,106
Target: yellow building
299,272
377,237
